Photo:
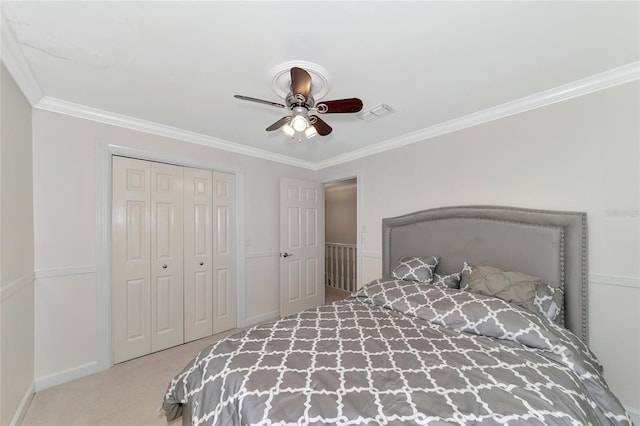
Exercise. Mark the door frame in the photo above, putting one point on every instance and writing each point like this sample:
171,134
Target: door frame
104,153
360,232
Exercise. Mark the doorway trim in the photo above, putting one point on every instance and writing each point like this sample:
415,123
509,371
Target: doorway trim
354,174
104,152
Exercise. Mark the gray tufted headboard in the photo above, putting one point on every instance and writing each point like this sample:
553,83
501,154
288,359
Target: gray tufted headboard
551,245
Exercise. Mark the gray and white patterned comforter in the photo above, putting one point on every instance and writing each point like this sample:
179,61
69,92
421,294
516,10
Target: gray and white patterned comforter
398,352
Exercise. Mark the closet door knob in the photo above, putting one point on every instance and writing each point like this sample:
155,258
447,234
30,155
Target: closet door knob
164,266
201,263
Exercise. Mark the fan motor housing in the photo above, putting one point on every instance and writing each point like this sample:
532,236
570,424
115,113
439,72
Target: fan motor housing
292,101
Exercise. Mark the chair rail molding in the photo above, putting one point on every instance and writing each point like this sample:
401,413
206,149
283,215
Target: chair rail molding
6,291
65,271
615,280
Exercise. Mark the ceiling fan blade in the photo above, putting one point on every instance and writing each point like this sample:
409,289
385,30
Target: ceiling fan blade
260,101
278,124
322,127
339,105
300,83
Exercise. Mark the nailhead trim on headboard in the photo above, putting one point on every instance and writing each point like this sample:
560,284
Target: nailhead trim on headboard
585,282
562,270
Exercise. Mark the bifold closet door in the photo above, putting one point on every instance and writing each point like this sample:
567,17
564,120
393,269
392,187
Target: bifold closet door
147,257
131,258
167,256
173,255
224,250
198,258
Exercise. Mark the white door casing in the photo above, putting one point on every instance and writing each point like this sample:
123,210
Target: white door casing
131,258
224,248
198,257
301,245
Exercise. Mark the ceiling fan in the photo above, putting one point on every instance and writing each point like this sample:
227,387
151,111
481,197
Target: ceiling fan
301,103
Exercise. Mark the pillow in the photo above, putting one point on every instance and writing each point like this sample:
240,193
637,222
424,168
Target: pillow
447,281
548,301
416,269
464,276
513,287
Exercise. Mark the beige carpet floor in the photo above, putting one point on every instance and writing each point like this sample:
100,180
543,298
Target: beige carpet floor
127,394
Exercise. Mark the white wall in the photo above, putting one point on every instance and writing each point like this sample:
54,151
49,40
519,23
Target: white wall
67,155
17,253
580,155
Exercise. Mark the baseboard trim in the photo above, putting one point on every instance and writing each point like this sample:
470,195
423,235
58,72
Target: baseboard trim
68,375
18,417
261,318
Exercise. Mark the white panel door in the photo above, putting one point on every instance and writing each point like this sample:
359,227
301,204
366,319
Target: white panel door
301,245
167,312
173,255
224,252
131,258
198,258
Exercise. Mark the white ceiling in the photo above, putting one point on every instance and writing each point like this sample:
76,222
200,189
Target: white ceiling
179,64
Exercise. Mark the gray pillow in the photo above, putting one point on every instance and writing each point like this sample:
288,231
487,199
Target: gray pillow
513,287
447,281
548,301
416,269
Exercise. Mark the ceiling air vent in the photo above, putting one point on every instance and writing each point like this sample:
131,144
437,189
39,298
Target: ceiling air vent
376,112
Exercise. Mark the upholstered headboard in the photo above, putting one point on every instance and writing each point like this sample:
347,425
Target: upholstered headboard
551,245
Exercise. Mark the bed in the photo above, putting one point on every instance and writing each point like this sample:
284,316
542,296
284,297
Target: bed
450,334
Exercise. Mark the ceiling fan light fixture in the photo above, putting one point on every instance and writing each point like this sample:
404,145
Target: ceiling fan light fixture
288,130
310,132
299,123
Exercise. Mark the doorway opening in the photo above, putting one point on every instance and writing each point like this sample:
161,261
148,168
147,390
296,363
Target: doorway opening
341,238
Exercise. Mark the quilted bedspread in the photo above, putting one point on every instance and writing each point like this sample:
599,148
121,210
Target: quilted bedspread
398,352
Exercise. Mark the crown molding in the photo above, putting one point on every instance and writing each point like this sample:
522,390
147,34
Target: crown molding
17,65
614,77
605,80
60,106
